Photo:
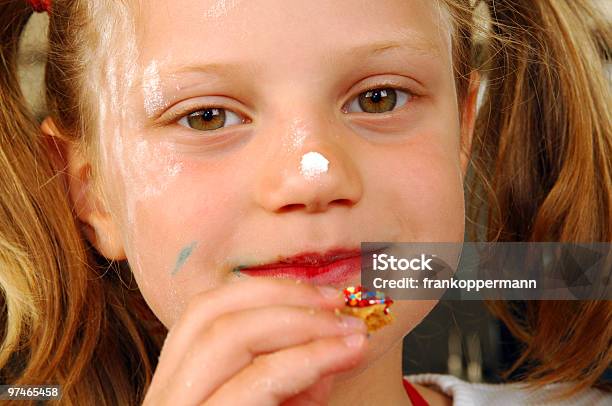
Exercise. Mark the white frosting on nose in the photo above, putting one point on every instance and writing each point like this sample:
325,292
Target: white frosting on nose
313,164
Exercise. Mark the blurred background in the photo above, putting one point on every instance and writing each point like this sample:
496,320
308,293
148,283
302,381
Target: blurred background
458,338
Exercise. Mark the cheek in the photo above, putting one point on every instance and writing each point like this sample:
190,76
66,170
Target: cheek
166,219
420,185
408,314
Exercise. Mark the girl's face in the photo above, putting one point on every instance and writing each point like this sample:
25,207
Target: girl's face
315,126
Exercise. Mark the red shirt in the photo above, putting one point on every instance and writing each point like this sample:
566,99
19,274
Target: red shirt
415,397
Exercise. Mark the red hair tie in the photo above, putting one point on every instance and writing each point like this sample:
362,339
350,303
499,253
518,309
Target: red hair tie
40,5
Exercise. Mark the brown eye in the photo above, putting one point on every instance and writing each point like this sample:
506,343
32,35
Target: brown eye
381,100
210,119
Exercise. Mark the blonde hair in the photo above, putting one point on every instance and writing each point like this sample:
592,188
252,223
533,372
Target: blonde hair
545,118
65,317
542,160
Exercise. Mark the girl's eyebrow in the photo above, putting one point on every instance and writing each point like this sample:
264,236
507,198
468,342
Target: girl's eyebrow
421,47
214,70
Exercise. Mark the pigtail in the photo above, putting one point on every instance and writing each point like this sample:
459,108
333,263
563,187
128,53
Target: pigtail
60,312
543,150
19,310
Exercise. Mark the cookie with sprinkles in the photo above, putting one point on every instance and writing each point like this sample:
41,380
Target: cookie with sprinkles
371,307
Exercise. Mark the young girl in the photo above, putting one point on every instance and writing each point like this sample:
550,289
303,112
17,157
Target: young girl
210,144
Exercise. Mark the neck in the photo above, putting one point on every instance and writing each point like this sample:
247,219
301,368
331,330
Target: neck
380,383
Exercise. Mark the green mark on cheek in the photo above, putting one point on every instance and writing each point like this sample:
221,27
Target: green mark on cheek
183,256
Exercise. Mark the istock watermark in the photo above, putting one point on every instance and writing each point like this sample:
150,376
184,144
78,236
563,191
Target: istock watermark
489,271
383,262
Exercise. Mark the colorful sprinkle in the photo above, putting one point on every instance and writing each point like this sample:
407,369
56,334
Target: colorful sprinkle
358,296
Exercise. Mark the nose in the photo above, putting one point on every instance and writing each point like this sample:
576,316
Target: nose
312,178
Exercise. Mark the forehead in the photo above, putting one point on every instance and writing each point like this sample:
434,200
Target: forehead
286,31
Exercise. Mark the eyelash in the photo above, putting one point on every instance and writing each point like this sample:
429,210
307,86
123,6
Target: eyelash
182,117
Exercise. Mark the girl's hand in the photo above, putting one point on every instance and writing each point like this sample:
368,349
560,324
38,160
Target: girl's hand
257,342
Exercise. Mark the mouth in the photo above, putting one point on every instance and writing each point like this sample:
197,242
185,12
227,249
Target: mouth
332,267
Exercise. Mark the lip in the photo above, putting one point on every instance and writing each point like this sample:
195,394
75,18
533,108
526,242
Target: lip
332,267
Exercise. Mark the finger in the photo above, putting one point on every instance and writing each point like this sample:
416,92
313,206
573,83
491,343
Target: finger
279,376
251,293
234,340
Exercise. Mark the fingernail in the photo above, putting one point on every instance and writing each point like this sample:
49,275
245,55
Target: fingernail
354,340
352,323
329,292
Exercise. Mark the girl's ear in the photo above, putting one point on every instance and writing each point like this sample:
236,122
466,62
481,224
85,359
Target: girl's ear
468,120
95,221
